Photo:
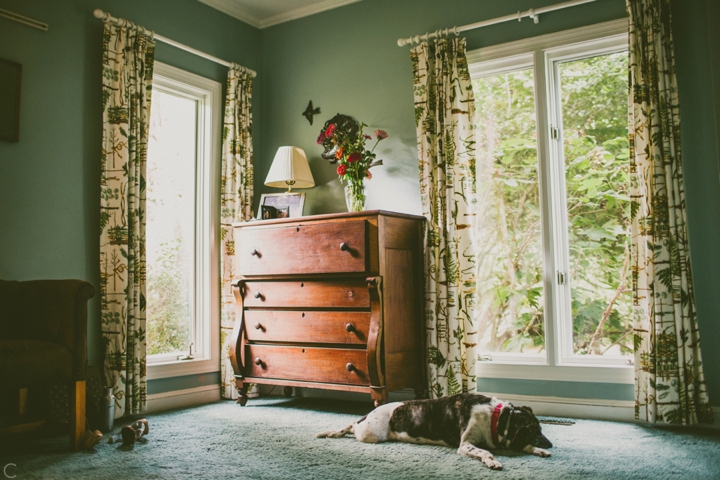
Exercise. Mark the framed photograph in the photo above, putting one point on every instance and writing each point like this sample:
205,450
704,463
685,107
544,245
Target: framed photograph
10,78
286,205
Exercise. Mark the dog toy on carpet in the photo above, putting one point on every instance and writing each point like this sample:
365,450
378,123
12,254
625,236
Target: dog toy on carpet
129,434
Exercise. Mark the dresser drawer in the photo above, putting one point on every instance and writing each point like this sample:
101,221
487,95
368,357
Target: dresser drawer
298,249
311,364
307,327
349,293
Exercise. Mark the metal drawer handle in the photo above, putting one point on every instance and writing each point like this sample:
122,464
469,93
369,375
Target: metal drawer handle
258,326
259,363
344,247
258,294
351,368
255,253
350,328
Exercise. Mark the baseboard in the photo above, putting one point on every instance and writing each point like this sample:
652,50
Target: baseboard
590,408
183,398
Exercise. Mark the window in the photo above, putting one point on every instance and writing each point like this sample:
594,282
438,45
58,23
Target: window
181,225
553,174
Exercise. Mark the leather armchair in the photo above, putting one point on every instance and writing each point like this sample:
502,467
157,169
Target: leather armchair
43,335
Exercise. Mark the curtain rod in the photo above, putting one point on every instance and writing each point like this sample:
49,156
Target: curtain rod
25,20
121,22
532,13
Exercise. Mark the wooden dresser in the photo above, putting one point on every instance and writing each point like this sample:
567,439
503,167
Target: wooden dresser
330,301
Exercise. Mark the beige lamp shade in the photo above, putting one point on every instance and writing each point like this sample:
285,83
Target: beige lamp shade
290,169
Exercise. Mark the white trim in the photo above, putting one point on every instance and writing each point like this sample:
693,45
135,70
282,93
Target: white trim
566,373
233,9
207,335
183,398
587,408
550,40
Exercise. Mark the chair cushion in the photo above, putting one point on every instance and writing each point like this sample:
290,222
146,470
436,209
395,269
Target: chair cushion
27,362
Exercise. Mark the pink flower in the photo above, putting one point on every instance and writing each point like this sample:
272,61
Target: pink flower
380,134
368,175
342,168
354,157
321,137
330,130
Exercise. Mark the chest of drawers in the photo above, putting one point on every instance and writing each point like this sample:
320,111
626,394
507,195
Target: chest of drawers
330,301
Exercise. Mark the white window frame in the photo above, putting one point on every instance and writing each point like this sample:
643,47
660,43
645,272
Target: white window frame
542,54
206,301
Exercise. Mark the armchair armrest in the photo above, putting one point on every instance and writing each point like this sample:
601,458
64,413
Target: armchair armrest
49,310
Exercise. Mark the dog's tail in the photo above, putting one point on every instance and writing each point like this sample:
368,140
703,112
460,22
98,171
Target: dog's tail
337,433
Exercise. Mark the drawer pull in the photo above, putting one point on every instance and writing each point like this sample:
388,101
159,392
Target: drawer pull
344,247
258,326
260,363
350,328
351,368
255,253
258,294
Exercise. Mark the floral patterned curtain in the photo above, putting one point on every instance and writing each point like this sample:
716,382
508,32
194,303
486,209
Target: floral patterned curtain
445,124
236,199
669,382
128,58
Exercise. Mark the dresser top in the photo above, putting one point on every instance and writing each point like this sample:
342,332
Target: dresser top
329,216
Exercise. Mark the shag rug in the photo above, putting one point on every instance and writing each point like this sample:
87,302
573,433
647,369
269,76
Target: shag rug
273,438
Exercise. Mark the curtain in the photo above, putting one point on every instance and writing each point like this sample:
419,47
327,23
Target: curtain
128,57
236,200
669,382
445,124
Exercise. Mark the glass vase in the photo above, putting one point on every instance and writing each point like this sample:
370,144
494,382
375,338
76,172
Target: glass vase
355,197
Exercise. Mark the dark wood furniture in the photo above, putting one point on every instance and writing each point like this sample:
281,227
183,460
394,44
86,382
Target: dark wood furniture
43,336
330,301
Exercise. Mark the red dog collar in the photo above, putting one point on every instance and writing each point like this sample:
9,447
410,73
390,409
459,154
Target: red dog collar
494,424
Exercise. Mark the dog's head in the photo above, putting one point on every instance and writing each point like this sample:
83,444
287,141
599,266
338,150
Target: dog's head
524,429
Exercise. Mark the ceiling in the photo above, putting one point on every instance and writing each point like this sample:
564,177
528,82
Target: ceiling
264,13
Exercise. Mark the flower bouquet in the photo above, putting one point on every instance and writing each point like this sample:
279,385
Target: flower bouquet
344,142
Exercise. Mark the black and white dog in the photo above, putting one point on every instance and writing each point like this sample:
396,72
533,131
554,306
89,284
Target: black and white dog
471,422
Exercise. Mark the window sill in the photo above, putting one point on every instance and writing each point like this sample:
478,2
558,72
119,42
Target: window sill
181,367
569,373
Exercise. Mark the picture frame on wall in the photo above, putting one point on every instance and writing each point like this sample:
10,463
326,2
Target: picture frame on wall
281,205
10,80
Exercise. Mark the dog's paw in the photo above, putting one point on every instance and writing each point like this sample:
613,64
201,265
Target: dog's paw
492,463
541,452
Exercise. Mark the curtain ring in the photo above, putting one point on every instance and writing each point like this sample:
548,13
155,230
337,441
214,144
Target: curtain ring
519,16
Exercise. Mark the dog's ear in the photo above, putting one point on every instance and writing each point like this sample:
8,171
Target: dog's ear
528,409
542,442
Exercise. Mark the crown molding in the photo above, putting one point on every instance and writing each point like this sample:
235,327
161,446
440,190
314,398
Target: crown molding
231,8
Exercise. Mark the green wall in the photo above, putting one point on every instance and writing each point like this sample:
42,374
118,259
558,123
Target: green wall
49,181
346,61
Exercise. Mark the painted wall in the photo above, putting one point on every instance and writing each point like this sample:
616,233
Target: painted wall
49,181
346,61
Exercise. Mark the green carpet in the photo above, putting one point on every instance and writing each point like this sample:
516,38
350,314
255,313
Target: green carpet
274,438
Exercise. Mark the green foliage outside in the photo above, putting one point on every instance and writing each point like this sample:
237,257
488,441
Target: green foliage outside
511,298
168,304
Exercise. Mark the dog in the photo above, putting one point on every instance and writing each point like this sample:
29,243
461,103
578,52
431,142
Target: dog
470,422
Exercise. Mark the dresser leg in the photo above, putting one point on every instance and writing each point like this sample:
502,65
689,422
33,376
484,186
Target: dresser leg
379,396
242,392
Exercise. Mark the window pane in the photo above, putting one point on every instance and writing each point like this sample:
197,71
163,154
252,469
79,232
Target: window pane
594,94
510,256
170,230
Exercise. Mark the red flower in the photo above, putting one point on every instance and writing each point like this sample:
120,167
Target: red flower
354,157
330,130
342,169
380,134
366,136
321,137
